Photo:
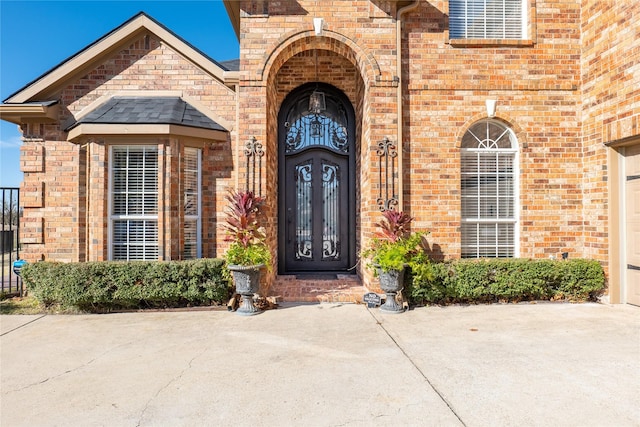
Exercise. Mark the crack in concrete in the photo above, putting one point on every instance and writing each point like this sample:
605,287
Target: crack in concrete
415,365
164,387
69,371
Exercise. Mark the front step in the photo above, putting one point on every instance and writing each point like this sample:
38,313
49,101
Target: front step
346,288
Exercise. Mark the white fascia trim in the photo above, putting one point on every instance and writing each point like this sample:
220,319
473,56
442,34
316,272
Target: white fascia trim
87,129
20,113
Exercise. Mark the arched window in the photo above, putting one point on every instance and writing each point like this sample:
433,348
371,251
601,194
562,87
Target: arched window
489,191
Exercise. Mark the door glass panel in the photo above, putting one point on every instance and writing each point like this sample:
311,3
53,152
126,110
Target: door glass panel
304,220
331,211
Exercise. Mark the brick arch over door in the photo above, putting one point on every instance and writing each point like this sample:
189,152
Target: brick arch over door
331,41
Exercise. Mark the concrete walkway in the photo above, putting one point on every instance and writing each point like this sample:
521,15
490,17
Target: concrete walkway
326,365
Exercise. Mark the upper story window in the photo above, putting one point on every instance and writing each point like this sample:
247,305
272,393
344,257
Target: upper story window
487,19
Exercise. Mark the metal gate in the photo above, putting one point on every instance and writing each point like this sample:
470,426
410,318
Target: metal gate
10,283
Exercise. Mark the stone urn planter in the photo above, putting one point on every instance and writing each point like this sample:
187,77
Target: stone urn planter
391,282
391,251
247,281
248,252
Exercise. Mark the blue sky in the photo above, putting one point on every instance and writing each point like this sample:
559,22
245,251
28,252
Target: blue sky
35,36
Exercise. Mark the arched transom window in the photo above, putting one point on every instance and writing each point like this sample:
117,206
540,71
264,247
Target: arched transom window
489,191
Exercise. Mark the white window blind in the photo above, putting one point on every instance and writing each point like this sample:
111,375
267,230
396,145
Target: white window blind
134,203
192,208
488,191
487,19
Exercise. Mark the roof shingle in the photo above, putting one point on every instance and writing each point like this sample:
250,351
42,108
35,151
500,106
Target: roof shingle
148,110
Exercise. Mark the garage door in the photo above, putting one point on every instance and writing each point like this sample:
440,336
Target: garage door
632,222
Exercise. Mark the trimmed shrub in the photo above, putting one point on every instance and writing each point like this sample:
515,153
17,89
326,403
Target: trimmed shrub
505,280
581,280
105,286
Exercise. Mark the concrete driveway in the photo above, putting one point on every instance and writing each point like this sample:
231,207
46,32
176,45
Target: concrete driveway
326,365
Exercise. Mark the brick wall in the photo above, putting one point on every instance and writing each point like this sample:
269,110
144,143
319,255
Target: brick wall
537,92
445,85
565,91
52,196
610,104
278,51
67,220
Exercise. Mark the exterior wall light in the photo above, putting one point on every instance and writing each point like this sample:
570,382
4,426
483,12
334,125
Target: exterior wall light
317,25
491,107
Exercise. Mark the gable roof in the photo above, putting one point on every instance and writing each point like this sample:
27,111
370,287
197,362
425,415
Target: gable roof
45,86
148,110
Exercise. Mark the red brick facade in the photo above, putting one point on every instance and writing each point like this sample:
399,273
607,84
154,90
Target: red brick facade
565,90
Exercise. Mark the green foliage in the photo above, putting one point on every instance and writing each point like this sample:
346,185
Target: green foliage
505,280
395,255
581,279
251,255
20,305
394,246
247,237
105,286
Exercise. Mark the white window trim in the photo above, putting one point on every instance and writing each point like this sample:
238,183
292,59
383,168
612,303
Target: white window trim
516,189
197,217
524,25
525,20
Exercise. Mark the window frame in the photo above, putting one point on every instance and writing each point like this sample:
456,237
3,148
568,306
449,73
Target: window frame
478,220
136,217
198,216
527,30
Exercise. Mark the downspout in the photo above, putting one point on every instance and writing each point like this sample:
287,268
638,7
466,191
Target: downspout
237,101
87,202
400,145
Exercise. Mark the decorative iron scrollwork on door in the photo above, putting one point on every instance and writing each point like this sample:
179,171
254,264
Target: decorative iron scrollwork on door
254,152
331,177
316,130
387,196
304,214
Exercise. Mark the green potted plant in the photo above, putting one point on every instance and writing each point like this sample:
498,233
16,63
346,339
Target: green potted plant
248,252
391,251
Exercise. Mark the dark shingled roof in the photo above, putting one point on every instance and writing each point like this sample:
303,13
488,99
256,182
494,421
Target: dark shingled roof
148,110
230,65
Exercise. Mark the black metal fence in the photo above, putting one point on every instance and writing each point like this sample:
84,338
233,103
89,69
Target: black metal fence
10,241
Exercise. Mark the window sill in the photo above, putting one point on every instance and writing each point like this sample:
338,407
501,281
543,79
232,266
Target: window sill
490,42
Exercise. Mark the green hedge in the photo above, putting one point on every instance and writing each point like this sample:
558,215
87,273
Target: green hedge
504,280
105,286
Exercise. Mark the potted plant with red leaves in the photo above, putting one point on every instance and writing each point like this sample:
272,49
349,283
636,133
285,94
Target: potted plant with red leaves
393,248
248,252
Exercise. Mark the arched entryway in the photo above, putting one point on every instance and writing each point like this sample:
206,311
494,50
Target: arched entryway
317,186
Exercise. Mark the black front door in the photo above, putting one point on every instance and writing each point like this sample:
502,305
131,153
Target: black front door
317,188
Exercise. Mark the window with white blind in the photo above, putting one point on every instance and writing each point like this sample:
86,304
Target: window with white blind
487,19
134,203
191,192
488,191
